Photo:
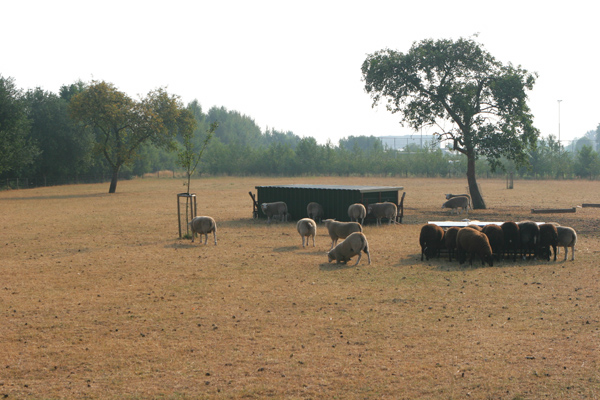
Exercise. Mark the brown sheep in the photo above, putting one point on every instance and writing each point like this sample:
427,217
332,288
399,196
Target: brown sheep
512,238
496,238
530,236
548,238
470,241
431,240
450,240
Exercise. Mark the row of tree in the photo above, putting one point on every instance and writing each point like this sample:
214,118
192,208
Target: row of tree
477,104
41,137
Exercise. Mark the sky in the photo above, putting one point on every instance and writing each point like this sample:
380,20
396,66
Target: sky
296,66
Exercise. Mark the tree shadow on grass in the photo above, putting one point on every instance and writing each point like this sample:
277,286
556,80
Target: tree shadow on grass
59,197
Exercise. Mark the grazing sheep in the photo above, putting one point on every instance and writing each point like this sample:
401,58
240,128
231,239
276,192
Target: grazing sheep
353,245
383,210
203,226
356,211
548,238
450,196
470,241
431,240
450,240
567,237
496,239
340,230
307,228
278,208
512,238
530,237
314,211
457,202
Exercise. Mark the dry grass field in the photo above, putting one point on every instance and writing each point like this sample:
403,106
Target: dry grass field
99,298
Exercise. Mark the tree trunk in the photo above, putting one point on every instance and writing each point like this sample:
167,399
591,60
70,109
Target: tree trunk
476,198
114,180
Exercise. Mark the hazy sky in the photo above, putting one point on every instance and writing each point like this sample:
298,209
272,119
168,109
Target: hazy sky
295,66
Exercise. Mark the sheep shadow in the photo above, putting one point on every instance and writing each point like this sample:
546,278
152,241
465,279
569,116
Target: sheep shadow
328,267
189,245
440,263
285,249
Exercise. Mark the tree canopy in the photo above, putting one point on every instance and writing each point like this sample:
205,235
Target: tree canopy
17,149
123,124
478,103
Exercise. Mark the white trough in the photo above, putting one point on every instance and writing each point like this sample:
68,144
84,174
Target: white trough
465,222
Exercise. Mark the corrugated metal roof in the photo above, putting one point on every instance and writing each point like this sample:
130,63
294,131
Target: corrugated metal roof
362,189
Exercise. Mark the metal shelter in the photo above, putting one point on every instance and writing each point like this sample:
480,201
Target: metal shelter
335,199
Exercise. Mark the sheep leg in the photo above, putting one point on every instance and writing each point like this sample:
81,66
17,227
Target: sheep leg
573,253
313,238
366,250
566,251
215,236
359,256
205,238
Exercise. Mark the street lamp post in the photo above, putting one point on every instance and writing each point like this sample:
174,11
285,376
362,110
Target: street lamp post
559,123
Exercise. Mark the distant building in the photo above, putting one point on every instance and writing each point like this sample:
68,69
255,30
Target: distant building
401,142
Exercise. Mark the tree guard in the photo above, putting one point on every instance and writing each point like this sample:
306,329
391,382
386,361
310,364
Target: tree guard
190,210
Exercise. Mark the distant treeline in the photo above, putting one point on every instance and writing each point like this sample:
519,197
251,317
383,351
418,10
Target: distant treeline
62,151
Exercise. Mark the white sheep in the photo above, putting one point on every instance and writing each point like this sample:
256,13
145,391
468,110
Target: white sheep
354,244
356,211
457,202
307,228
468,196
278,208
314,211
341,230
383,210
567,237
203,225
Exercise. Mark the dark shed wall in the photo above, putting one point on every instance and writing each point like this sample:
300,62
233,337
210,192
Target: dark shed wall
334,199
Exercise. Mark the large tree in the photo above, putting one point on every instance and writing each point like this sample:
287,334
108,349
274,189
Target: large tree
478,103
17,149
123,124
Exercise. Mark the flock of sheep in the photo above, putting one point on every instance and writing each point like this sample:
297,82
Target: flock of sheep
524,239
355,242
